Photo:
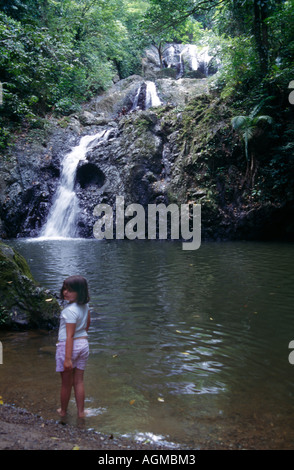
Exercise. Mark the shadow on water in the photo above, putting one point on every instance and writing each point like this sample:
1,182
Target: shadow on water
189,347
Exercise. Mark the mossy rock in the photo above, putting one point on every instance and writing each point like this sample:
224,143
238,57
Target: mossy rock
23,304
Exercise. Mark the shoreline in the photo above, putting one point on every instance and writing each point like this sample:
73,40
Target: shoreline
23,430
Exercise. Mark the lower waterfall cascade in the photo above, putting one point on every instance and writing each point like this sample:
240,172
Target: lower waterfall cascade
61,221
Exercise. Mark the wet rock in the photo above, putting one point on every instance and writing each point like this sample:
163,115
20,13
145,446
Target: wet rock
178,61
179,92
23,303
89,119
127,164
182,151
29,177
30,174
121,95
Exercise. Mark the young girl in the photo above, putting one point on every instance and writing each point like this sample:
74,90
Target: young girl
72,349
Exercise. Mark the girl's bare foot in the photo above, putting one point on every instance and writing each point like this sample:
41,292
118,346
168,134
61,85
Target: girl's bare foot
61,413
83,414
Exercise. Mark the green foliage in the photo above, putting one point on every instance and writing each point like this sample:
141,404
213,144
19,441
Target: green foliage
238,72
57,54
4,315
36,69
247,126
167,21
281,25
256,42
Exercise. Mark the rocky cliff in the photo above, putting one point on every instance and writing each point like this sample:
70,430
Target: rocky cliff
183,150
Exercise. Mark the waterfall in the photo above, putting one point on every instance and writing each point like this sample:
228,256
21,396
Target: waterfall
190,51
136,100
146,96
187,58
152,98
170,56
61,222
181,68
193,54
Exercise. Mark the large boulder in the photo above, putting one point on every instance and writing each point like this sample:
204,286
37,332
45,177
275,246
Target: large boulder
23,304
128,163
120,96
179,92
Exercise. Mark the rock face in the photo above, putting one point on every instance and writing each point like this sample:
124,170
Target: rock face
130,162
179,61
122,95
29,177
182,150
23,303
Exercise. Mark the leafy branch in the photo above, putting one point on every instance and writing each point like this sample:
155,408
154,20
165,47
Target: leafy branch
247,127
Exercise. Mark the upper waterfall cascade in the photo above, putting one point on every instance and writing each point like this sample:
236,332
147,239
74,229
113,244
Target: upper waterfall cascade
185,60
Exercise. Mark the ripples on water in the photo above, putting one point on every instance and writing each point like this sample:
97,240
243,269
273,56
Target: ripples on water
190,346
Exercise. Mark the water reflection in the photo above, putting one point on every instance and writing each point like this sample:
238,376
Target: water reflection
178,339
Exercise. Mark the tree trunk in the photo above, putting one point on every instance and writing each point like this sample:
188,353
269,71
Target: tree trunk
261,33
160,54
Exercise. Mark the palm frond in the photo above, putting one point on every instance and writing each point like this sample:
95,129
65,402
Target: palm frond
268,119
239,122
256,110
247,125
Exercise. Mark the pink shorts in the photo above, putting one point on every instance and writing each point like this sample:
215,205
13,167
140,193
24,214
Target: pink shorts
80,354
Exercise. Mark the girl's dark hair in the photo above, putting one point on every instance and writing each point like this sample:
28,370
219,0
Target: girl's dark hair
79,285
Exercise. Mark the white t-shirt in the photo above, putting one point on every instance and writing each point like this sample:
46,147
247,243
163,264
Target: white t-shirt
74,313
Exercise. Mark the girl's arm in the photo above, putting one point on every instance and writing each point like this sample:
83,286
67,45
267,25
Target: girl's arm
70,331
88,321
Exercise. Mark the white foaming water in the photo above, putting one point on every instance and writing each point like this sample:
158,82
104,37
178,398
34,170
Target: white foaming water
196,56
136,100
152,98
61,222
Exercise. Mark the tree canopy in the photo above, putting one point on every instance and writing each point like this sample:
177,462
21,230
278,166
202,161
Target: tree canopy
55,54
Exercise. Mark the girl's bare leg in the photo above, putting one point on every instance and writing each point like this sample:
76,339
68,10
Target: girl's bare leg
65,392
78,383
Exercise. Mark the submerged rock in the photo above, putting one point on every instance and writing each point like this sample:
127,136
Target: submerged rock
23,304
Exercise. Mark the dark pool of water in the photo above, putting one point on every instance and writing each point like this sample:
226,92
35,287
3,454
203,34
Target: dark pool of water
188,347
